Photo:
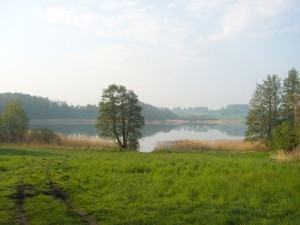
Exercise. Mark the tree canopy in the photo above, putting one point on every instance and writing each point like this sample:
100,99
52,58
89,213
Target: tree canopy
120,116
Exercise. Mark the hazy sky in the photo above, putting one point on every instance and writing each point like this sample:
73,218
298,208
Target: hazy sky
170,52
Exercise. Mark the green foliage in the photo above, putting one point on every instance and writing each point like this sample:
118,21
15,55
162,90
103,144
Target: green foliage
274,114
156,188
286,137
120,116
14,122
264,110
43,136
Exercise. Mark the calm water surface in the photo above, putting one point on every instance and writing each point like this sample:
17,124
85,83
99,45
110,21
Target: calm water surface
155,133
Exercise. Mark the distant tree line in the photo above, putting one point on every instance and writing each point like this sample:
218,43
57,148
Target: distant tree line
233,111
43,108
274,114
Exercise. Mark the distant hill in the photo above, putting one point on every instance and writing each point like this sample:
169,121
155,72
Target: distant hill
43,108
153,113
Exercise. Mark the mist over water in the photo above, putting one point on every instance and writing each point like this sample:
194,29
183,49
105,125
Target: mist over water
152,134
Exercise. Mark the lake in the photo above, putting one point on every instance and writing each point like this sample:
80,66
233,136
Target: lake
152,133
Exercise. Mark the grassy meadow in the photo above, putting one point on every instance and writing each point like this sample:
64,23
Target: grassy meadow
45,185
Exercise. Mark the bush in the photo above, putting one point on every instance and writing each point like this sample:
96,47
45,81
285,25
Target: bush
43,136
285,137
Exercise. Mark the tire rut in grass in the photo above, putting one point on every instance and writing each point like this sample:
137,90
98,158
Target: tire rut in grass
57,193
23,192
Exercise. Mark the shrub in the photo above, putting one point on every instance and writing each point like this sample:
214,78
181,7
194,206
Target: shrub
285,137
43,136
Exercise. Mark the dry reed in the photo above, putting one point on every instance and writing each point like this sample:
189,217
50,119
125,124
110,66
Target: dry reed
86,142
287,156
198,145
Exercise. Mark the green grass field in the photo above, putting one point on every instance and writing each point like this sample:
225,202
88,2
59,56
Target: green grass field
44,186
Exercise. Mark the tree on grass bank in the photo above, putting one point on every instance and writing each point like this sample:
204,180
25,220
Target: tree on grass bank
14,122
264,110
120,116
274,111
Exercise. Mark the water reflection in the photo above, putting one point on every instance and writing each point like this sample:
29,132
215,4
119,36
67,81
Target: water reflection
154,133
68,129
190,131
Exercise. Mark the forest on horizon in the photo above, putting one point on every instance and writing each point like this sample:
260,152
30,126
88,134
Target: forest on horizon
43,108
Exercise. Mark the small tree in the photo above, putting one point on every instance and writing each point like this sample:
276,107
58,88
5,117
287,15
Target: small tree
120,116
264,110
14,121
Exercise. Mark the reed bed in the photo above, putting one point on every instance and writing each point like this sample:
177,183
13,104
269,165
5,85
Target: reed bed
86,142
46,137
200,145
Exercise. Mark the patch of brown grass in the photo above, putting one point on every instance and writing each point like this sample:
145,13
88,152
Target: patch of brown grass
289,156
198,145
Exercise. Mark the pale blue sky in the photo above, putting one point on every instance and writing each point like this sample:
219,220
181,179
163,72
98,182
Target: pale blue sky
171,53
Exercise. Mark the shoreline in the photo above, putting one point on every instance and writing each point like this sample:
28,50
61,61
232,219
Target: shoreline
205,122
151,122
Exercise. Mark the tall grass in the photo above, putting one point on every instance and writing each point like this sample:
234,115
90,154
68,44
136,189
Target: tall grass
198,145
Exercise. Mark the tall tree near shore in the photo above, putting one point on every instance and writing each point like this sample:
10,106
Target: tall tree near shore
264,110
291,96
120,116
14,121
